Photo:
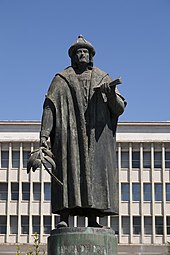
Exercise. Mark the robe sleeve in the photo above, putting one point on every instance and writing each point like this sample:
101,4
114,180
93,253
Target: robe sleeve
47,119
115,101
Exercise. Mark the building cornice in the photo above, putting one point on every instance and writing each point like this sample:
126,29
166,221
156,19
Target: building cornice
28,130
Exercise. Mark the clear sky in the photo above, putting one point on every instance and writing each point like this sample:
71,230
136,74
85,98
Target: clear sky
131,38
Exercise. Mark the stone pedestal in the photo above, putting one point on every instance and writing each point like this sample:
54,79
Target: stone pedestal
82,241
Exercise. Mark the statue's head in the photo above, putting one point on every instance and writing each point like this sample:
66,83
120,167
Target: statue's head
81,45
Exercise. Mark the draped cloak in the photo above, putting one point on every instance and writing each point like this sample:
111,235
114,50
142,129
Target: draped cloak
83,143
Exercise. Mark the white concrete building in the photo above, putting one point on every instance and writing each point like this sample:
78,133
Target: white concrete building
143,224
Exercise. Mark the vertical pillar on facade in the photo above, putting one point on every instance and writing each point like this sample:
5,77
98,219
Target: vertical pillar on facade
20,193
108,221
9,192
141,187
164,195
0,154
130,193
52,221
30,201
75,221
86,221
119,181
153,197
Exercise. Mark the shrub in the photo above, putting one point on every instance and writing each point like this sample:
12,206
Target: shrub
34,249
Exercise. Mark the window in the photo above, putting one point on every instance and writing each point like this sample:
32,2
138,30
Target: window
25,191
125,159
13,224
117,159
15,159
14,191
167,159
136,191
168,224
167,191
146,159
36,224
24,224
57,220
159,225
4,159
114,223
125,191
47,224
47,191
157,159
26,155
125,225
71,221
3,191
158,192
148,225
3,223
81,221
136,225
135,159
147,190
36,191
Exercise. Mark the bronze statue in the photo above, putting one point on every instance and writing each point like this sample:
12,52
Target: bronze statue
80,116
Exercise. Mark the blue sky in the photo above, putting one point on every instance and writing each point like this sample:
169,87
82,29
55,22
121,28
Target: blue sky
131,38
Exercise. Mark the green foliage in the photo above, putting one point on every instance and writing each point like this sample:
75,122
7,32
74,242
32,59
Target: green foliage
18,250
33,250
168,246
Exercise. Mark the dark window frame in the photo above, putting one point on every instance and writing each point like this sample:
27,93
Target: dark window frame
159,225
147,193
125,191
136,159
136,225
146,161
15,191
136,192
15,159
158,192
4,159
24,224
125,159
157,159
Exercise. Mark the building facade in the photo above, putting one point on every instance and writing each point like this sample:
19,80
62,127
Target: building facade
143,224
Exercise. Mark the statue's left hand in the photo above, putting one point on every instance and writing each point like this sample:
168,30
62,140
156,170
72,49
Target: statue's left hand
43,142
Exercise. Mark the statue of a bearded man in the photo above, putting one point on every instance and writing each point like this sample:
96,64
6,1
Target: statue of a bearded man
80,116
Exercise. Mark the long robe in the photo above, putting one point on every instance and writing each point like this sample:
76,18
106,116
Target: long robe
83,143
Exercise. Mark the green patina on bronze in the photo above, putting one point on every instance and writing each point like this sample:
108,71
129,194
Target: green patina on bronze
82,241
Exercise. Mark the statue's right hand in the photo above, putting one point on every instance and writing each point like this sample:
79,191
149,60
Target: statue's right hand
43,142
105,88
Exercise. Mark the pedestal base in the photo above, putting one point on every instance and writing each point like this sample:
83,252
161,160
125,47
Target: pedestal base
82,241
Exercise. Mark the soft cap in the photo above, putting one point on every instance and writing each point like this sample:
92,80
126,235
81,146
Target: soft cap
81,43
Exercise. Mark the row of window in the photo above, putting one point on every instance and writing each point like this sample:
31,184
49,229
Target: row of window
148,230
25,224
147,191
25,191
125,191
124,159
15,159
148,220
157,163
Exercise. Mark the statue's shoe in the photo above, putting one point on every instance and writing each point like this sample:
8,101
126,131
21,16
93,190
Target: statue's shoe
62,224
97,225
